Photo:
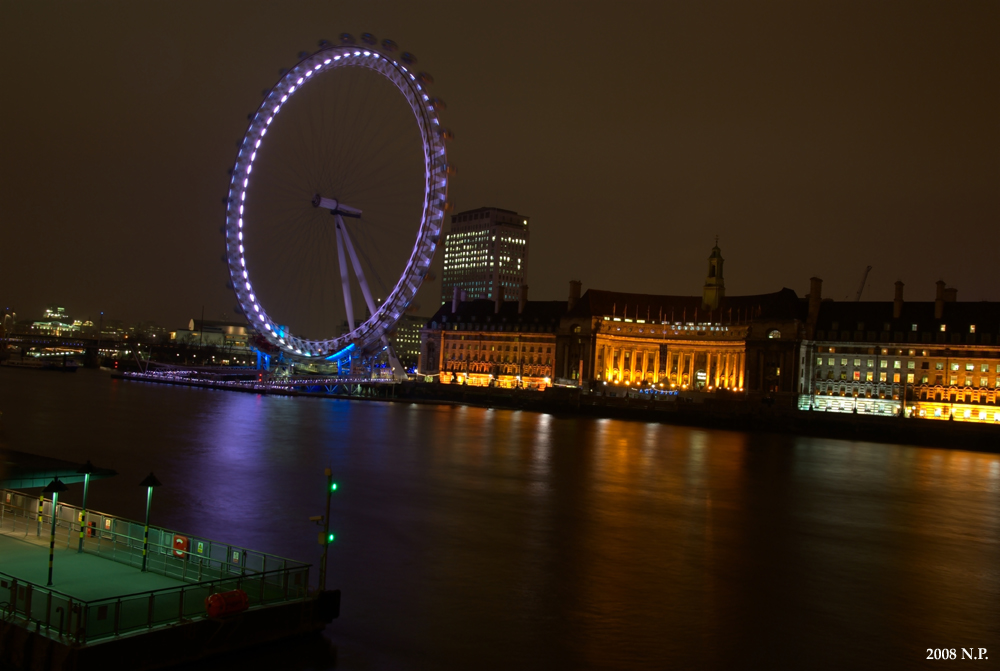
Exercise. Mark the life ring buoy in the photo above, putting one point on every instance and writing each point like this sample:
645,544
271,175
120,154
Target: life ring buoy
181,546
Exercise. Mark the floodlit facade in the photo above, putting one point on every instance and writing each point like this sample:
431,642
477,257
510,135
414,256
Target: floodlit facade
485,255
708,343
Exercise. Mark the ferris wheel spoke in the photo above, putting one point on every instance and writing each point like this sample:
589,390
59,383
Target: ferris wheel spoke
344,279
358,272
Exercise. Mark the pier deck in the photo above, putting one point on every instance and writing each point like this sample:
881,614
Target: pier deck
83,576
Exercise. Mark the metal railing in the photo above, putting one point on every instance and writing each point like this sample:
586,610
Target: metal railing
204,567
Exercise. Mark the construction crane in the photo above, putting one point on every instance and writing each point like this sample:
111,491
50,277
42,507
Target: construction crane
864,278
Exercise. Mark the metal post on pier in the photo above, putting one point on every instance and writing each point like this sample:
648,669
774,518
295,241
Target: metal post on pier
86,470
148,482
53,488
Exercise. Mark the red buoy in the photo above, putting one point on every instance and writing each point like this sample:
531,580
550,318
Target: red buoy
227,603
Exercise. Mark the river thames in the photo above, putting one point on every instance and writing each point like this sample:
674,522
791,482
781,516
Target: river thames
470,538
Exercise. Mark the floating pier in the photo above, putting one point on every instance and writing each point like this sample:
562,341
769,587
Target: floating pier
102,609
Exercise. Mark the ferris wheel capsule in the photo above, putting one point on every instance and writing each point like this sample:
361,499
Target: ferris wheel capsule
408,58
368,38
389,46
346,38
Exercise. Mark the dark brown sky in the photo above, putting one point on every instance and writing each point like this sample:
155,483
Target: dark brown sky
814,138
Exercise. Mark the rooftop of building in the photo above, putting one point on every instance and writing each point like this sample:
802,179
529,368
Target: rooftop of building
483,311
783,304
875,315
483,209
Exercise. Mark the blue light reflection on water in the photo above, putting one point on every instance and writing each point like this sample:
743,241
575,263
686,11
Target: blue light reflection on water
475,538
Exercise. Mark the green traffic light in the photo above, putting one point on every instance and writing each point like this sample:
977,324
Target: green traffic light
329,538
333,487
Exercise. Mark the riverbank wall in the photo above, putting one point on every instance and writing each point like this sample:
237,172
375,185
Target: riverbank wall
726,413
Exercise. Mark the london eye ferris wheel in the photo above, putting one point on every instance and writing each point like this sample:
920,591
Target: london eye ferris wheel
337,201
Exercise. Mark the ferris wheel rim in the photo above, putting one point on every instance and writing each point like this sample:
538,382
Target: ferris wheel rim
433,207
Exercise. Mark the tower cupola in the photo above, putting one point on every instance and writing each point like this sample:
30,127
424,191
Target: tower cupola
715,285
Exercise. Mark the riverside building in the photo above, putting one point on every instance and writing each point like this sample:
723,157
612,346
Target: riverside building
510,344
485,254
938,360
709,343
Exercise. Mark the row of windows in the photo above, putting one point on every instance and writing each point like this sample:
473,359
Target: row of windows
501,358
886,326
869,376
911,365
500,348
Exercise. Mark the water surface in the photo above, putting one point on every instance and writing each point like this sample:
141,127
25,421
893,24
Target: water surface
494,539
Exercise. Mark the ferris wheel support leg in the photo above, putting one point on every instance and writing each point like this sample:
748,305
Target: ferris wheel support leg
358,272
344,280
398,372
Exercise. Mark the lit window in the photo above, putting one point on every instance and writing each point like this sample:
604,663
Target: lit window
911,364
938,365
972,328
881,377
843,361
913,327
909,378
968,380
883,364
857,375
896,364
984,368
984,381
857,362
869,376
954,366
923,380
830,362
895,377
970,366
871,362
953,380
819,361
944,327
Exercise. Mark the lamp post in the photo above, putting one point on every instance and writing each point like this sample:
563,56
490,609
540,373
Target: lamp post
149,482
86,470
53,488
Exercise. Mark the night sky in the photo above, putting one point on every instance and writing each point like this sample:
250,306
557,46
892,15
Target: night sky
815,138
